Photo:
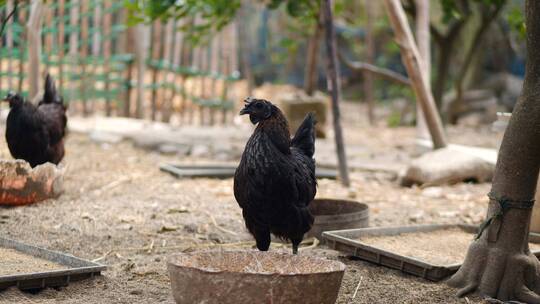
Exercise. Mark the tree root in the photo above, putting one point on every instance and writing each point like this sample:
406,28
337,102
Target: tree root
500,273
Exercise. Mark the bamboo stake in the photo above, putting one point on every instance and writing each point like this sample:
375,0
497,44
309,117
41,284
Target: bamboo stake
334,88
370,58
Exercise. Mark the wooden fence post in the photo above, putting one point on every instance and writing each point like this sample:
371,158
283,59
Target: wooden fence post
9,42
60,43
214,72
107,16
156,55
34,47
96,44
142,44
22,48
73,49
49,38
168,44
84,56
177,61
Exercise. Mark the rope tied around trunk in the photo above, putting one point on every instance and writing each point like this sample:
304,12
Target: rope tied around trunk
505,204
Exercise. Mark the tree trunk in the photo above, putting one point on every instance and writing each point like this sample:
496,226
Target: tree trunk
499,264
334,88
370,58
413,63
422,38
456,105
310,73
445,46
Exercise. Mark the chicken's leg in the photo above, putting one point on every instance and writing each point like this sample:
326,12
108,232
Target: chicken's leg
295,244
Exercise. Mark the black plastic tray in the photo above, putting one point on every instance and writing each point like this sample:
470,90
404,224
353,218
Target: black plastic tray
222,171
346,241
78,269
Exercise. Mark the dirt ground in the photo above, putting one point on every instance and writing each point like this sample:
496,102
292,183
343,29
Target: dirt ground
119,209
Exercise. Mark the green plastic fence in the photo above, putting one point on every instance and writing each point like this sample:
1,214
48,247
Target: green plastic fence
88,79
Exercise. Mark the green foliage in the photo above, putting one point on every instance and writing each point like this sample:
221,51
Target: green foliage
393,120
450,10
516,21
308,9
456,9
210,15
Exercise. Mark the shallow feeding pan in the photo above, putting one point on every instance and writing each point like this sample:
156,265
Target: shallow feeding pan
332,214
246,277
433,252
29,267
222,171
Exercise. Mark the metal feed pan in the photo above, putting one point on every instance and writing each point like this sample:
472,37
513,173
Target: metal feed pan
222,171
346,241
78,269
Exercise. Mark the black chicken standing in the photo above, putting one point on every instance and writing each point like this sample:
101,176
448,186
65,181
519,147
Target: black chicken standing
275,181
36,134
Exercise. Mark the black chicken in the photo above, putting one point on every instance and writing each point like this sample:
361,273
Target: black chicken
275,181
36,134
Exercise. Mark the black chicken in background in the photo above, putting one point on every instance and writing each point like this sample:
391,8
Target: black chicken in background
275,181
36,134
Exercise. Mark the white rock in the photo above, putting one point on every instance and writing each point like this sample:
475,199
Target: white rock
447,165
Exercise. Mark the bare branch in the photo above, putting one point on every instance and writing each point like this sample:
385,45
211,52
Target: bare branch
5,21
381,72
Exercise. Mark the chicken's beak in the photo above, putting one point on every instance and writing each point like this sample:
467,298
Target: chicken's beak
245,111
9,96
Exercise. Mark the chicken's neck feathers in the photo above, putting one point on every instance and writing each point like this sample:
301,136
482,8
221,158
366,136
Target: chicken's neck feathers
276,128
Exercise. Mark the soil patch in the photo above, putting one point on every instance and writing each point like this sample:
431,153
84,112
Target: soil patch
15,262
439,247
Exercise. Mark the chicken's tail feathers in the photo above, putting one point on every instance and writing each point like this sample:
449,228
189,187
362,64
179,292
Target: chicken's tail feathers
51,94
50,90
304,139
